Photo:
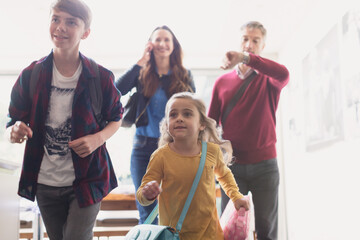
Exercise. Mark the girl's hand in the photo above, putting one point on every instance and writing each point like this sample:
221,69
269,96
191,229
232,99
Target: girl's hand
151,190
242,202
19,132
84,146
146,56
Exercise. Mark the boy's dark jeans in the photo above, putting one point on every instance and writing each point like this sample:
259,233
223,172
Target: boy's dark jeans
62,216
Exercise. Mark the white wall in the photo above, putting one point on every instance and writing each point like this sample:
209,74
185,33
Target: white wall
9,200
120,30
322,196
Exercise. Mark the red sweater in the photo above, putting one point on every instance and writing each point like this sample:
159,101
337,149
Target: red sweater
250,126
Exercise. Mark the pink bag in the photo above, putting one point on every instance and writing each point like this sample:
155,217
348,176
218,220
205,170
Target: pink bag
238,225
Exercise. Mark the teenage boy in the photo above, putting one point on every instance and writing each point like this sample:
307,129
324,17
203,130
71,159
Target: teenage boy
66,165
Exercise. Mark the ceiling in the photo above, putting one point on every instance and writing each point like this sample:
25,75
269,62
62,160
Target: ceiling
120,29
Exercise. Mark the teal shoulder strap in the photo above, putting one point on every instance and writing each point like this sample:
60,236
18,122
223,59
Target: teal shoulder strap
154,212
152,215
193,187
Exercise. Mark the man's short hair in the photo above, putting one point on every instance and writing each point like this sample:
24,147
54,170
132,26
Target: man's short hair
76,8
254,25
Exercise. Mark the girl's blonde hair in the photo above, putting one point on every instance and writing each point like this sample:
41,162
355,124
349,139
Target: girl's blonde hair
211,133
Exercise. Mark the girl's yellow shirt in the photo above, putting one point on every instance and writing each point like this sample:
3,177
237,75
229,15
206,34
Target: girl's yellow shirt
176,174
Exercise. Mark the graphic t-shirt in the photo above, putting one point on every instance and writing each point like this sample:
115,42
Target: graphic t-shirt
57,167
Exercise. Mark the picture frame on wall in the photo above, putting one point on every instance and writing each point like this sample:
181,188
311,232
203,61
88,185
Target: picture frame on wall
322,93
351,72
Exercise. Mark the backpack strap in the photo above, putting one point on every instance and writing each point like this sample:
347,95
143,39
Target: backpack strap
233,101
96,94
34,78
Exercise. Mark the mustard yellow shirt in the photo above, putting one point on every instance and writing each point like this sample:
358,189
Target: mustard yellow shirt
176,174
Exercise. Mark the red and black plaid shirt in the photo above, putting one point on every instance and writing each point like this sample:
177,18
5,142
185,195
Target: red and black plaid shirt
94,174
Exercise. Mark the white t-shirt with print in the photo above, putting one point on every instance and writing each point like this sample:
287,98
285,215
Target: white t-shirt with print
57,167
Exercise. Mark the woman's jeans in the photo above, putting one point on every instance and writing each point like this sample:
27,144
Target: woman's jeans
262,179
143,147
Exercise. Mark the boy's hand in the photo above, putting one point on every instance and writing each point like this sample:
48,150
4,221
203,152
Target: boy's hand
84,146
242,202
151,190
19,132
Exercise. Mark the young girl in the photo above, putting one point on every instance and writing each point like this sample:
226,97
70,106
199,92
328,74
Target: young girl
174,166
66,165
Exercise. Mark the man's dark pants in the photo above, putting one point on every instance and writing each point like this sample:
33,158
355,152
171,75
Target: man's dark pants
262,179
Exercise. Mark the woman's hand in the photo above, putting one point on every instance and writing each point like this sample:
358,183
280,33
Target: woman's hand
19,132
146,56
242,202
151,190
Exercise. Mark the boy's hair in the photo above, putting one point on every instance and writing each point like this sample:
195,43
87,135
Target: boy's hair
255,25
76,8
211,133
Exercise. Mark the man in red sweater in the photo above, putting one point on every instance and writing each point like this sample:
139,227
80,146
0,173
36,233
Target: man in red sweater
250,125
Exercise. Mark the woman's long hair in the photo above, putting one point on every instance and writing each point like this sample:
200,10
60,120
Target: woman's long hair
179,77
211,133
